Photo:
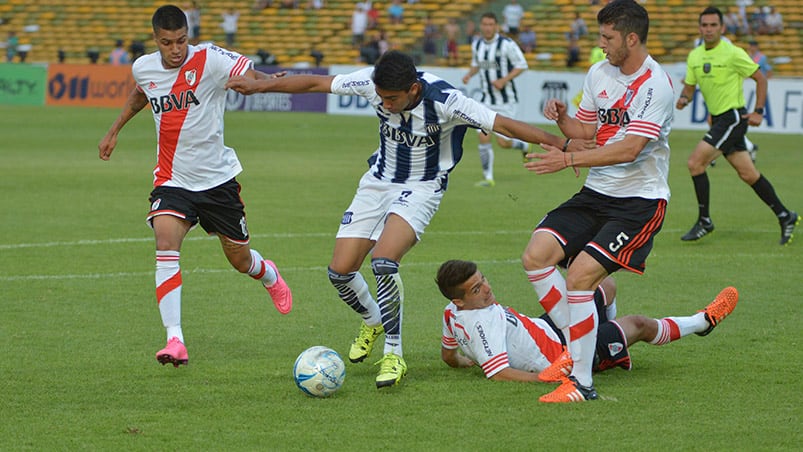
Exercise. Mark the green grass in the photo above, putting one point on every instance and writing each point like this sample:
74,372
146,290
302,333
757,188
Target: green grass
79,324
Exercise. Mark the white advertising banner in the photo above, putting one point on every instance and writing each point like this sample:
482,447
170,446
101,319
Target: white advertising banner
783,112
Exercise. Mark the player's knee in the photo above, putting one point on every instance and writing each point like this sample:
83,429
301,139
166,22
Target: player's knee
533,259
645,327
608,287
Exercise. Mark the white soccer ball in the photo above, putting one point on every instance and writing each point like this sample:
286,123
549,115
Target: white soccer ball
319,371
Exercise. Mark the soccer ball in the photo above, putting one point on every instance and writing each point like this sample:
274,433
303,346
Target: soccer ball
319,371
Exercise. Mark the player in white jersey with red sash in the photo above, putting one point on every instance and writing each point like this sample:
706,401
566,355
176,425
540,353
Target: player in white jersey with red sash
610,224
422,122
508,345
194,178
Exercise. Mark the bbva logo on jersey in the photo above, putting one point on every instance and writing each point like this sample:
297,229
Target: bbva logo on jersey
177,101
613,116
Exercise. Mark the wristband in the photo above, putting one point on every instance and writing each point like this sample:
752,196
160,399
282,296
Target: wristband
566,144
683,96
758,110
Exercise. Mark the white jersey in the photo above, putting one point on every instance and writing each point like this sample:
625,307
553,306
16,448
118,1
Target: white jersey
641,104
495,59
497,337
424,143
188,104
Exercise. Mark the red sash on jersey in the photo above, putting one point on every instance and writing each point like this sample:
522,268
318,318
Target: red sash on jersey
549,347
173,121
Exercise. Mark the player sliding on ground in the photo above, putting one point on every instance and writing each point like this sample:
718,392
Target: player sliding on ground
507,345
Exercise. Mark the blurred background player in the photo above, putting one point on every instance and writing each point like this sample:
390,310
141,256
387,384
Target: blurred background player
507,345
498,60
194,178
422,123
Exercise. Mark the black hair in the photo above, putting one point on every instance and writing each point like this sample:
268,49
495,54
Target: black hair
711,10
452,274
168,17
489,15
395,71
626,16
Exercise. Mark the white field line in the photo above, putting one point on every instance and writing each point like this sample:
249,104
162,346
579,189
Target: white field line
18,246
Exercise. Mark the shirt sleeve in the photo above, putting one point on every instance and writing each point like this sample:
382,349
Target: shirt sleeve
587,110
357,83
488,343
448,339
516,56
470,112
742,63
690,78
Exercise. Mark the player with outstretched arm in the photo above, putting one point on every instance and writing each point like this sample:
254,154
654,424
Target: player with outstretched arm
422,122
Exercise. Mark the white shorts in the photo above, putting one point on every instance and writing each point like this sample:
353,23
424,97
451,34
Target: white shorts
415,202
511,110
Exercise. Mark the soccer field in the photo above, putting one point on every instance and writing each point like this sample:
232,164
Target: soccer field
80,324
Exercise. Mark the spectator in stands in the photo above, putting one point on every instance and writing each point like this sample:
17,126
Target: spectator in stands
316,55
193,13
431,35
136,49
11,46
396,12
452,31
259,5
743,22
370,52
359,24
572,53
316,4
372,11
119,55
513,12
731,22
774,21
578,28
383,43
288,4
760,59
757,24
229,25
471,32
527,39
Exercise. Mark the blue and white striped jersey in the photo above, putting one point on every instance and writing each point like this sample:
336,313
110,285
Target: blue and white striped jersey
495,59
424,143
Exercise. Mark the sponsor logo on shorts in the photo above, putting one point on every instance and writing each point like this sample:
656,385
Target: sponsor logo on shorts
243,227
155,204
614,348
347,217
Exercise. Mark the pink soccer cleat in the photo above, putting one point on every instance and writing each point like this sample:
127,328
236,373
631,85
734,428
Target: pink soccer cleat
280,292
174,352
